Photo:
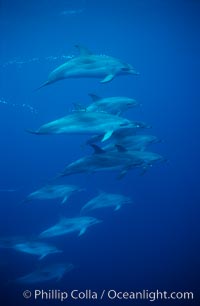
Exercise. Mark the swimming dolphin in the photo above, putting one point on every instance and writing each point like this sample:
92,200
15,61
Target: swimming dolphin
53,192
69,225
121,159
36,248
88,65
106,200
86,123
46,273
111,105
132,142
120,133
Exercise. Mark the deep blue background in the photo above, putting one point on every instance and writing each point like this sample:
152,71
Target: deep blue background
154,243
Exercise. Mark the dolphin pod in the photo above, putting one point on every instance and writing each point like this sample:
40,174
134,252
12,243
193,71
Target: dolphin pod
125,149
121,159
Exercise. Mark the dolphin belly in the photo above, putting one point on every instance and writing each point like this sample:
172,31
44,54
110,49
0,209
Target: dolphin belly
86,73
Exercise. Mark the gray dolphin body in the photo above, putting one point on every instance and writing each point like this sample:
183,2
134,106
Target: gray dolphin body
120,133
88,65
86,123
69,225
106,200
121,159
132,142
53,192
46,273
36,248
112,105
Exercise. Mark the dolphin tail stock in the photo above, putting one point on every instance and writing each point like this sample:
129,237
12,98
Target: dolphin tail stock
43,85
26,200
57,176
32,132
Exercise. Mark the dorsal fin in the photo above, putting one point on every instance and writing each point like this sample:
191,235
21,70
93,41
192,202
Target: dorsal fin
83,51
94,97
97,149
120,148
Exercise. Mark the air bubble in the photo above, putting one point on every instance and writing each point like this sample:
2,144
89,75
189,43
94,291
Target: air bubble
24,106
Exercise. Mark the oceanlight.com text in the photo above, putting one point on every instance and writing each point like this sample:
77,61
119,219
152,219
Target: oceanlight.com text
112,294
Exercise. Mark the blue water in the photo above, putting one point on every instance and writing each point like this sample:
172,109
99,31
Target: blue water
152,244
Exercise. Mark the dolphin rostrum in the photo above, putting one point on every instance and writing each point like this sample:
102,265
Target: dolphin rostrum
88,65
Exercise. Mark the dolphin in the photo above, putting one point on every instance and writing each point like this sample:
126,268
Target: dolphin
132,142
106,200
46,273
88,65
86,123
120,133
53,192
111,105
121,159
36,248
69,225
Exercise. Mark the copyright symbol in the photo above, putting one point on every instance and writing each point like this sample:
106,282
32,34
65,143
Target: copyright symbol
27,294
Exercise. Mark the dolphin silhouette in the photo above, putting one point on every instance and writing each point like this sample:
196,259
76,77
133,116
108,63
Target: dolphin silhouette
88,65
104,199
53,192
69,225
46,273
86,123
